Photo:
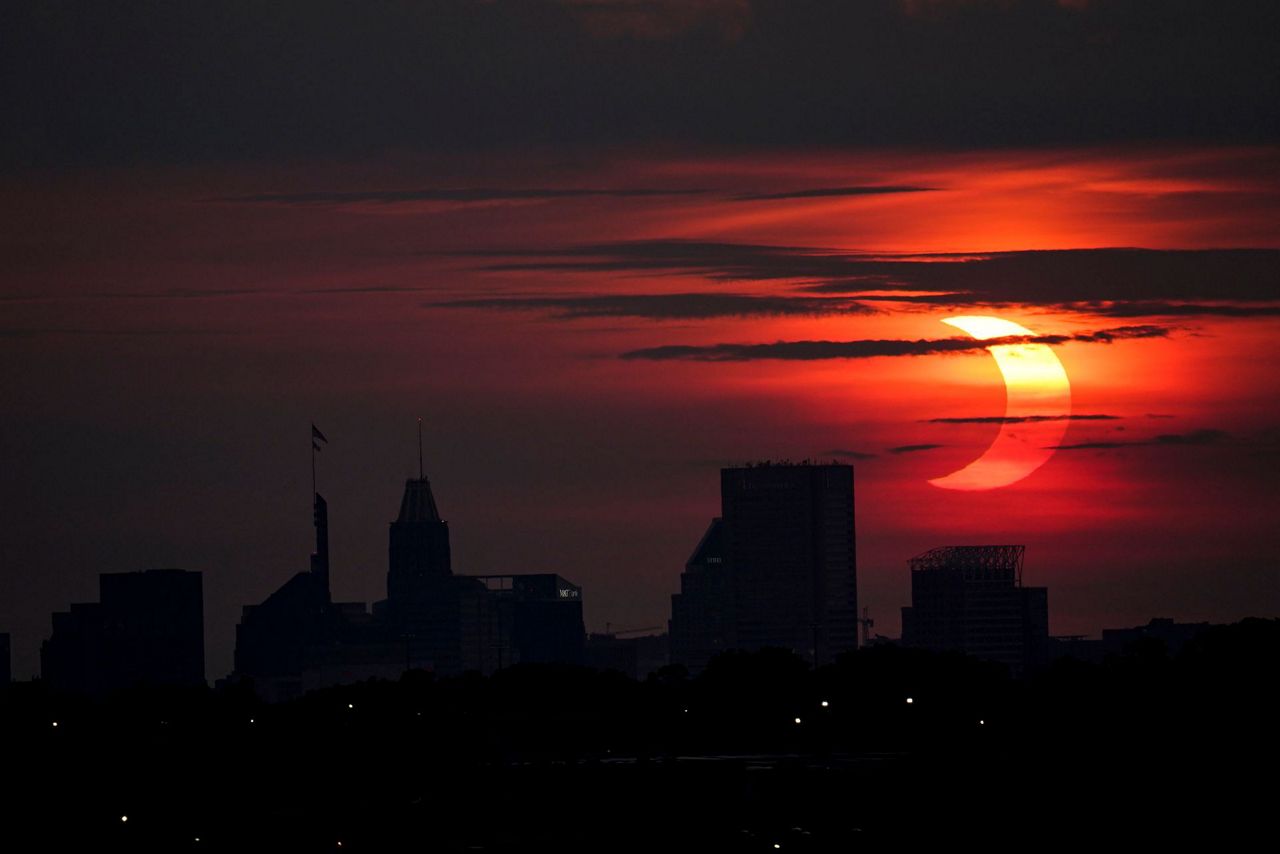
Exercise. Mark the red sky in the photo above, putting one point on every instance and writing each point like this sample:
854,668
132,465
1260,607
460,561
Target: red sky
169,332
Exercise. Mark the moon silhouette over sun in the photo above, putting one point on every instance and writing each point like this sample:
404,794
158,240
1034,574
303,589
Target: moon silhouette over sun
1037,408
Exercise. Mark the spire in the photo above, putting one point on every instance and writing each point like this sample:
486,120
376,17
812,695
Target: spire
418,504
417,549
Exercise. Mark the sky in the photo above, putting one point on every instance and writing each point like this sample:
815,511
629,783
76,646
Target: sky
605,248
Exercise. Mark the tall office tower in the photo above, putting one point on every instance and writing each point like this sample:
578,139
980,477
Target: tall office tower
788,543
147,628
970,599
418,548
701,624
428,608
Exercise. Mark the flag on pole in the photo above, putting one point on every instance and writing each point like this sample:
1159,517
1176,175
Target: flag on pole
316,434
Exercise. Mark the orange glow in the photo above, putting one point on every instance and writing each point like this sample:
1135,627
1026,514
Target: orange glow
342,302
997,201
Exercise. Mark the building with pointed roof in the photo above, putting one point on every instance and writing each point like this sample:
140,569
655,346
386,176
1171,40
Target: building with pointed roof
299,639
418,556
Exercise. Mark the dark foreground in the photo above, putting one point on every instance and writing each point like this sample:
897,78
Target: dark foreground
1142,750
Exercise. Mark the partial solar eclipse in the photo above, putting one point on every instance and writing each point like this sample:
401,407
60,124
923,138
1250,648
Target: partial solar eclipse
1037,408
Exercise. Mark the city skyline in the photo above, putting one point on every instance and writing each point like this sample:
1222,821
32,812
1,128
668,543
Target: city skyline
605,249
777,541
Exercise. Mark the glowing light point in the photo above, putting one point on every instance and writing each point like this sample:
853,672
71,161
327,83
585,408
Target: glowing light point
825,704
55,724
910,701
124,818
350,706
982,723
797,720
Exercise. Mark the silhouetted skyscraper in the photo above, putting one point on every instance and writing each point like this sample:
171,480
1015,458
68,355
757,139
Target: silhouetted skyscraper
299,639
418,547
970,599
148,629
427,607
789,544
454,623
702,612
787,575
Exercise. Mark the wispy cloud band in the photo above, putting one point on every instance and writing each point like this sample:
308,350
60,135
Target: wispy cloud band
872,348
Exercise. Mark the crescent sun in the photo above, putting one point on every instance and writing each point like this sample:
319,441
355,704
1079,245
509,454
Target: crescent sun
1037,408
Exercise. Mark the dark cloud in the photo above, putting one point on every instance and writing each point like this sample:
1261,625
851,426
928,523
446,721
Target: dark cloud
715,260
1021,419
212,293
667,306
53,332
1090,279
820,192
368,289
451,194
464,195
1119,282
169,294
1169,309
155,80
176,293
867,349
1104,336
841,453
911,449
1195,437
1206,436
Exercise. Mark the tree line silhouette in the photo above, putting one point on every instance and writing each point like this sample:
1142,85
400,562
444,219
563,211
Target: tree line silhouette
758,750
